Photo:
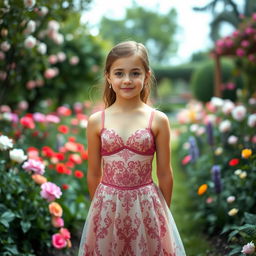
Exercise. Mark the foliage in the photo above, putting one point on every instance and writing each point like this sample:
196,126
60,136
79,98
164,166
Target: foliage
217,144
202,81
58,140
154,30
241,46
227,11
181,72
49,36
25,222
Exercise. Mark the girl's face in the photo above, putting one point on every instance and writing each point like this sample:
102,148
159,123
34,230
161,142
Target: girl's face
128,76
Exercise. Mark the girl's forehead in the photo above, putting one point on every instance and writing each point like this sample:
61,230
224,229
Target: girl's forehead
130,62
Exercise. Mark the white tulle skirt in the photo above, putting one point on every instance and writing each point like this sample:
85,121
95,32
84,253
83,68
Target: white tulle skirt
134,222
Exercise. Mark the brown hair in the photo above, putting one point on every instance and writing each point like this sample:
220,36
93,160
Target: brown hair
121,50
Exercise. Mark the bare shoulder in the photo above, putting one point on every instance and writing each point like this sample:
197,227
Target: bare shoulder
95,121
160,122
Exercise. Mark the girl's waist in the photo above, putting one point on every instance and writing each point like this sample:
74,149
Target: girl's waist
124,187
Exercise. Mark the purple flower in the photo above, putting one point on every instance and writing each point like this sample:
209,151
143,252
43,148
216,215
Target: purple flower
50,191
216,178
209,132
34,165
193,149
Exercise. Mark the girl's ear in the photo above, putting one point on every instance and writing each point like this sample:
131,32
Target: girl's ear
148,75
107,77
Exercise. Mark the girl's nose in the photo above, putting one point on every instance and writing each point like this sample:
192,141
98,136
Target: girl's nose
127,79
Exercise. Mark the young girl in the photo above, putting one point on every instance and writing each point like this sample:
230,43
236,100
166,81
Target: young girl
129,214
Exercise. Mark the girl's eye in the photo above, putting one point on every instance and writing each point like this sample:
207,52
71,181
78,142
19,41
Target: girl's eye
135,73
118,73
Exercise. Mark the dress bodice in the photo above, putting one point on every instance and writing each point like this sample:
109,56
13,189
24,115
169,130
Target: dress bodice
127,164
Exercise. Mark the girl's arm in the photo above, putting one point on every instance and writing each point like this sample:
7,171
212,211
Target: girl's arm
94,158
163,156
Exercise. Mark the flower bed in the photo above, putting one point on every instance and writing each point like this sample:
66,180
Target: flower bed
217,145
44,197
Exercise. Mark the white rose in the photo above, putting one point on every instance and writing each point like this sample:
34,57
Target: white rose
83,123
31,27
58,38
227,107
225,126
232,140
5,46
29,3
42,48
252,120
200,131
193,127
231,199
61,56
30,42
238,172
17,155
217,102
53,25
239,113
43,10
252,101
5,143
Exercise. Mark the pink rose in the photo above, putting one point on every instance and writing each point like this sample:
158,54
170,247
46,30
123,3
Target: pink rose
248,248
50,191
34,165
65,233
39,117
50,73
57,222
240,52
58,241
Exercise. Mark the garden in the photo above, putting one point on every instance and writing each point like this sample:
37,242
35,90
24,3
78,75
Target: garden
50,79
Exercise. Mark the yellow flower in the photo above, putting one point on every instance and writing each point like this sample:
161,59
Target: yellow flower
202,189
233,212
246,153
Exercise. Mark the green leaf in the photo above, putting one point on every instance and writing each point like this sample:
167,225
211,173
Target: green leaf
250,218
6,218
25,225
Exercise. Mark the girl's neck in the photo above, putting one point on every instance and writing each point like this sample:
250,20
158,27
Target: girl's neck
128,105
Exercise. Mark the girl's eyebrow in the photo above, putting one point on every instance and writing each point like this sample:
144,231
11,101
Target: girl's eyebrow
121,69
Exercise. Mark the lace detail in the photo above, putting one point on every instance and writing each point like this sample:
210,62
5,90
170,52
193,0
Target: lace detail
128,214
141,142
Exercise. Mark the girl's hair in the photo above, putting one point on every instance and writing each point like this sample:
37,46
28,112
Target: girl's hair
121,50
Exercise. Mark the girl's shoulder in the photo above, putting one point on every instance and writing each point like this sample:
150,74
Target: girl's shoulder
95,121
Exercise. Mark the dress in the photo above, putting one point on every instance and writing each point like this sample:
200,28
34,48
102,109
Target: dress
128,215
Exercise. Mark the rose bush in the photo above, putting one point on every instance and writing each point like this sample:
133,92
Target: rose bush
25,216
218,145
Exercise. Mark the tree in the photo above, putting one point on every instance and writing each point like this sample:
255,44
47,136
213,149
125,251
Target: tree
229,13
154,30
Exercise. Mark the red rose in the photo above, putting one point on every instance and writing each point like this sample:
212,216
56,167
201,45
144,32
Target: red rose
233,162
79,174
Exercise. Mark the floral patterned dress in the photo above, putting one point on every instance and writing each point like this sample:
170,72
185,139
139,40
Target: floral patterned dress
128,215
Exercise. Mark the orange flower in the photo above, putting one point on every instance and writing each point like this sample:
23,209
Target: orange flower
246,153
202,189
55,209
39,179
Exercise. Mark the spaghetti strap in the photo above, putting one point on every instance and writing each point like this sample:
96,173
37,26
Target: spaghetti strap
102,118
151,118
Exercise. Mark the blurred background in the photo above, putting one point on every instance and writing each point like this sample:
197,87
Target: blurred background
203,56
